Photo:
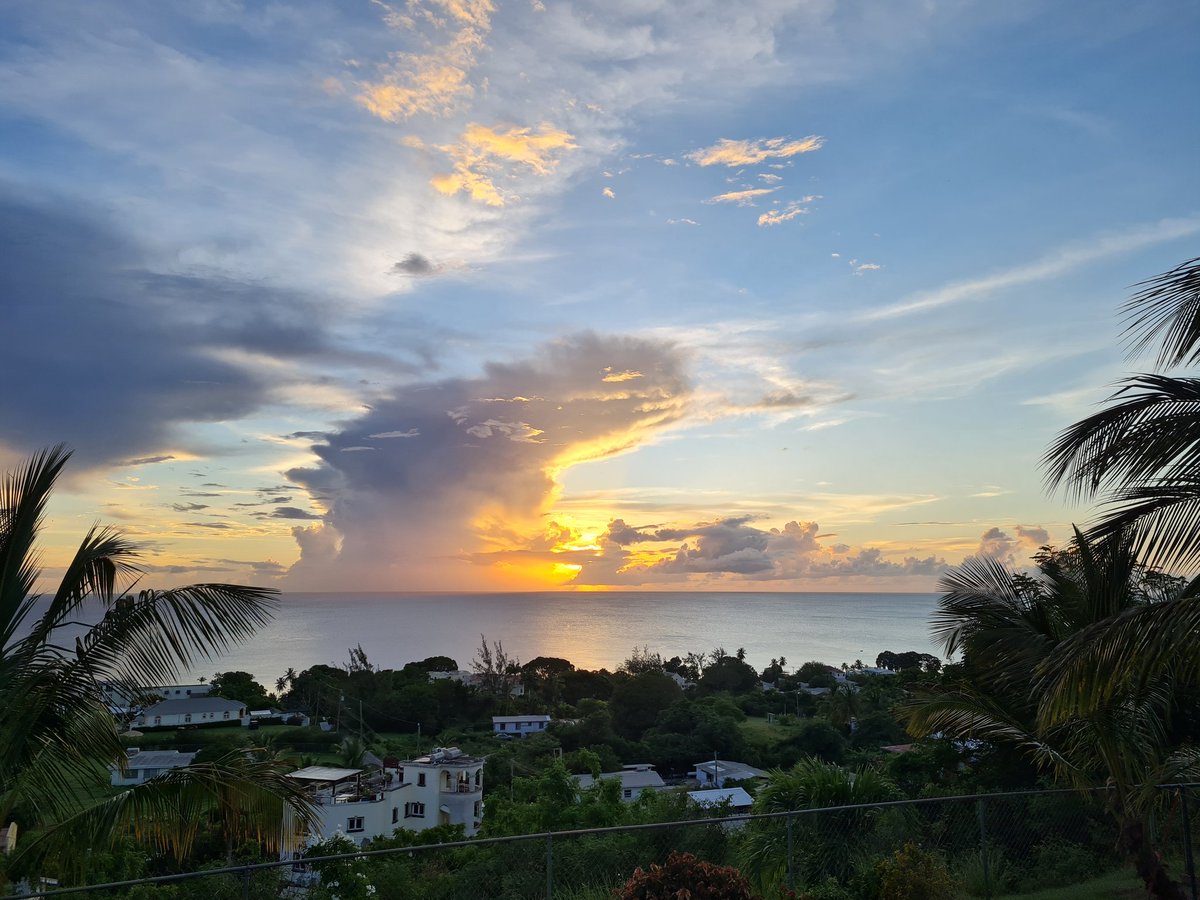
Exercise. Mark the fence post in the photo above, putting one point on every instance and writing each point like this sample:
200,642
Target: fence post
246,885
549,867
791,872
983,854
1188,856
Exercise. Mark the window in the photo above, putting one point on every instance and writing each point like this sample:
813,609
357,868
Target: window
414,810
503,726
158,720
400,774
354,823
628,793
187,717
421,780
227,714
478,809
395,814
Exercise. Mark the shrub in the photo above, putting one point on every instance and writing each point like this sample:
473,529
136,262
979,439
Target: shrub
683,875
1002,876
914,874
1058,864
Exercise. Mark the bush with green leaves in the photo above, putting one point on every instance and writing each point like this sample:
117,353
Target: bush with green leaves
914,874
341,879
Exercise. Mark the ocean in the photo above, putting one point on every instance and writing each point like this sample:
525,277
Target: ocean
592,630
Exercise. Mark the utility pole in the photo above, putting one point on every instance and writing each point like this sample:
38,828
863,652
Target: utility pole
361,739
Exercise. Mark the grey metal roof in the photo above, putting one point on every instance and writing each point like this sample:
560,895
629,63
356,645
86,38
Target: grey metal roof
324,773
194,705
159,759
736,797
629,778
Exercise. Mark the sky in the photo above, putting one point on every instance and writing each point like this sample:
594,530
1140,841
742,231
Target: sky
472,295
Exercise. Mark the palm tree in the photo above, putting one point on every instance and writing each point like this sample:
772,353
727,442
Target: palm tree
57,738
1142,453
824,845
1046,667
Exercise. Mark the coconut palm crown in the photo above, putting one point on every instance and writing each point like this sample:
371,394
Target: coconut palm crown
57,738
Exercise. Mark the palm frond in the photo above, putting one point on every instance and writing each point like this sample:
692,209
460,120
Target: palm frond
1126,651
1152,427
1162,516
147,639
92,575
249,800
1167,308
23,496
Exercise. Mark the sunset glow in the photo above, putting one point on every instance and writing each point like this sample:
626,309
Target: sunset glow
485,296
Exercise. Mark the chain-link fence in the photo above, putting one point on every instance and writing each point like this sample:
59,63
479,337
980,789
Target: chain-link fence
989,846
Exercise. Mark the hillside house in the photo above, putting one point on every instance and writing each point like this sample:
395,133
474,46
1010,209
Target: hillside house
193,711
142,765
520,726
715,772
444,787
635,780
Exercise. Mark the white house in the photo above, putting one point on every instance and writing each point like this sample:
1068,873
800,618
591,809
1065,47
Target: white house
520,726
180,691
515,687
443,788
193,711
736,798
142,765
716,772
635,780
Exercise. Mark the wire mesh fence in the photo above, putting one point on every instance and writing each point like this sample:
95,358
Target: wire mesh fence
989,846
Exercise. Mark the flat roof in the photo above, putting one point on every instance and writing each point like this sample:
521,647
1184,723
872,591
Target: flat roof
735,796
324,773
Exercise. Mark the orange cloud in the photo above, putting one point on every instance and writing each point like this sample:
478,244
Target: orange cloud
726,152
484,153
741,198
433,82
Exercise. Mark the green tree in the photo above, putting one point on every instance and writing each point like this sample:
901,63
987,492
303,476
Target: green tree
56,736
1047,668
729,674
242,687
828,845
637,701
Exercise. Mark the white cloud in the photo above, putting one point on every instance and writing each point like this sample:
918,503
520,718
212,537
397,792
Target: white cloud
1059,262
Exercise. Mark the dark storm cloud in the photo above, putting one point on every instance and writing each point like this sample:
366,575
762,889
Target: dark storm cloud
188,507
122,355
414,264
292,512
147,460
733,546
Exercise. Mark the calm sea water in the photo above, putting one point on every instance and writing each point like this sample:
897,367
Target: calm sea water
590,629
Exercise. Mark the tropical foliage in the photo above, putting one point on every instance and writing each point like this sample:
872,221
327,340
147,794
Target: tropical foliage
57,738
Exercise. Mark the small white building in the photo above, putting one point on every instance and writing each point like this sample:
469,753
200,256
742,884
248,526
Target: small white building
142,765
180,691
635,779
520,726
715,772
443,788
736,798
193,711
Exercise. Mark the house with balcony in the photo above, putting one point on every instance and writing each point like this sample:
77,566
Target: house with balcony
140,766
444,787
519,726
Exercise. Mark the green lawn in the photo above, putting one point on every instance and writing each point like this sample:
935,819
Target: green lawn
1119,885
